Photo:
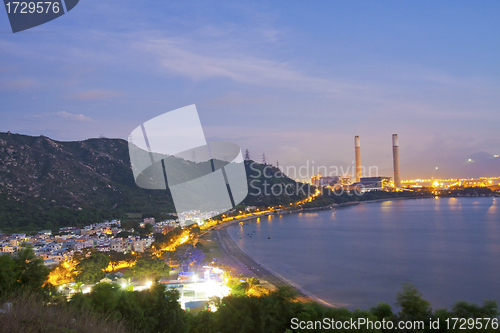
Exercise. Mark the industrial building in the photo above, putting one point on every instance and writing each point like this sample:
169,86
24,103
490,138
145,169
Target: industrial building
318,180
367,184
360,182
376,182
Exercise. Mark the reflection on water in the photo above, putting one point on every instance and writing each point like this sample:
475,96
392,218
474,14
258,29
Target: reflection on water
493,207
360,255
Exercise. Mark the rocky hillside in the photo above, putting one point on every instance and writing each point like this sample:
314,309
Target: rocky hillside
46,183
41,178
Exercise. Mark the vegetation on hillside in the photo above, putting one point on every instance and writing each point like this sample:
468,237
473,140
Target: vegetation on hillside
27,305
47,184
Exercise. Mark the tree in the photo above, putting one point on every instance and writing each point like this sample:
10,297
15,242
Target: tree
92,269
202,322
125,234
413,306
382,311
160,238
164,310
270,313
62,273
30,270
463,309
82,254
115,257
253,281
104,297
152,310
196,230
22,270
239,289
77,287
7,274
150,268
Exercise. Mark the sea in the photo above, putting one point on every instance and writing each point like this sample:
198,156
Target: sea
359,255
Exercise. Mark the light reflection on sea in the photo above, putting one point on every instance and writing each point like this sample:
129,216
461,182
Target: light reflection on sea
360,255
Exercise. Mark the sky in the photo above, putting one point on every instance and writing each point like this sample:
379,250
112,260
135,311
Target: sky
295,80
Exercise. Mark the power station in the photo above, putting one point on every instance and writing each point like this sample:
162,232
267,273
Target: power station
377,182
368,183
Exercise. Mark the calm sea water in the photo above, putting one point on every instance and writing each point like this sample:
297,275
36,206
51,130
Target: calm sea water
359,255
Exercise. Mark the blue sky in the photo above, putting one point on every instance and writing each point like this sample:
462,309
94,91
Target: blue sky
294,79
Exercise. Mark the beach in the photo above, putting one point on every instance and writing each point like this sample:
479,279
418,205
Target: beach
239,262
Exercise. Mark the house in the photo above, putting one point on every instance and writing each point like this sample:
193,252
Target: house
116,245
139,245
50,262
22,236
162,229
8,248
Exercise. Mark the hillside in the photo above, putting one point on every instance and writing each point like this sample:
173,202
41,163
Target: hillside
46,184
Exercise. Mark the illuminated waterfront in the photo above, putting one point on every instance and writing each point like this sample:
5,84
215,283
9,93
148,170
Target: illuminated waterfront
357,256
492,182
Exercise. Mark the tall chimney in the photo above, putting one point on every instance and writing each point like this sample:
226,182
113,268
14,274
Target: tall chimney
395,160
357,152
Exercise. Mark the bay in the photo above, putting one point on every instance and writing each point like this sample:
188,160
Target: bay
357,256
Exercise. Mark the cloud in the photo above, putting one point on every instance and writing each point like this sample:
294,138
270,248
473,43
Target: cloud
72,116
17,84
65,115
235,98
178,57
94,94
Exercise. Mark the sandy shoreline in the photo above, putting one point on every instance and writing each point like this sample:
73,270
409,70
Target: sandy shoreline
241,262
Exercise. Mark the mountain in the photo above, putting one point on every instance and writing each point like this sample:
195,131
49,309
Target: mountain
45,184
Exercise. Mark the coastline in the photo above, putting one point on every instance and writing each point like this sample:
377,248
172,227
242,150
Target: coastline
240,261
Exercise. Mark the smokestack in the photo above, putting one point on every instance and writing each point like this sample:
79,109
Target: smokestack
358,159
395,159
